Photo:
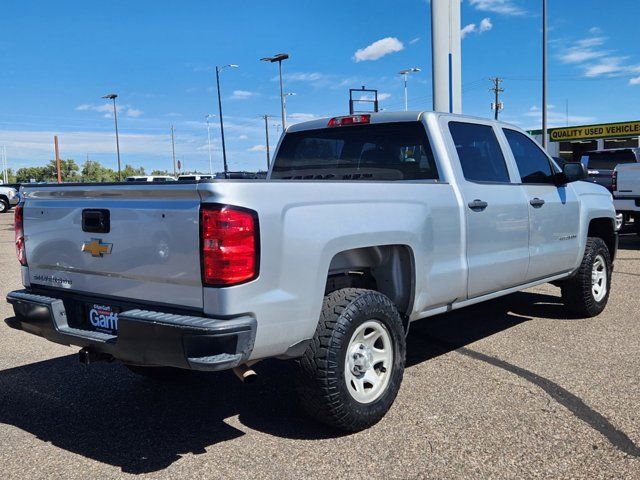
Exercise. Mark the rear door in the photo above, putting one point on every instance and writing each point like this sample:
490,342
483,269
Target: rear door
554,211
137,241
496,211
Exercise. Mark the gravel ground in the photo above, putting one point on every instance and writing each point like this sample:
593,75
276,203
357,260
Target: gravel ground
509,389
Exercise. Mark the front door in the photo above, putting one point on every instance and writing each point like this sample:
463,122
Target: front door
554,213
496,212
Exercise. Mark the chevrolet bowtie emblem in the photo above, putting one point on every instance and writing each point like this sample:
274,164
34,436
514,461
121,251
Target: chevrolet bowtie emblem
96,248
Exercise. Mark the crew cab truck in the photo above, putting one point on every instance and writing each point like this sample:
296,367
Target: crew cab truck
626,194
364,224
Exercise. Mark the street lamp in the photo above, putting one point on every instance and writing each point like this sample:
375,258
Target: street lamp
284,102
279,57
113,96
224,149
405,74
207,118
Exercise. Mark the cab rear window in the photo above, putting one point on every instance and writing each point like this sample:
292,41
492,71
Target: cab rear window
609,160
383,152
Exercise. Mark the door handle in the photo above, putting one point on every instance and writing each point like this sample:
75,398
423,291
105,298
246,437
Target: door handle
478,205
536,202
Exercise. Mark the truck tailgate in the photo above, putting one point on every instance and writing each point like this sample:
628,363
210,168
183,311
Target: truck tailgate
148,252
628,180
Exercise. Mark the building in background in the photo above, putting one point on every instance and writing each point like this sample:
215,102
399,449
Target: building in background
571,142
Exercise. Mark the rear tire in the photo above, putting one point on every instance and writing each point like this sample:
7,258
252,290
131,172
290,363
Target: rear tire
351,372
587,293
4,206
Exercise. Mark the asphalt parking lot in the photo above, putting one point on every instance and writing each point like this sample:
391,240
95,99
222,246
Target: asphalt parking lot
510,389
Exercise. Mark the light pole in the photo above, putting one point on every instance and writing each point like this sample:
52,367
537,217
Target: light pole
113,96
405,75
544,74
207,118
284,102
224,149
280,57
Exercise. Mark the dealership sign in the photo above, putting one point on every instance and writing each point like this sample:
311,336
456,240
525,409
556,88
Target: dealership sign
589,132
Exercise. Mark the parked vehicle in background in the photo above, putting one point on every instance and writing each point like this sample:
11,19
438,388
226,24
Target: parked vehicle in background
626,195
192,178
8,198
150,178
602,163
365,224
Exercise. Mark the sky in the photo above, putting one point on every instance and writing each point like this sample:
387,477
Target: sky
57,59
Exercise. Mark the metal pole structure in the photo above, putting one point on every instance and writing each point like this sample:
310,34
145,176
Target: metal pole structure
113,96
209,143
173,153
280,57
446,57
266,133
405,74
224,148
406,93
5,173
282,100
57,152
544,74
496,90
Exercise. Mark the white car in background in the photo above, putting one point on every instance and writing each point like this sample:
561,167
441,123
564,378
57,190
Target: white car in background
8,198
150,178
626,195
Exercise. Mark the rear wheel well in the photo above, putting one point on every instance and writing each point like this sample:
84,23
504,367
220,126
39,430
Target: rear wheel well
388,269
604,228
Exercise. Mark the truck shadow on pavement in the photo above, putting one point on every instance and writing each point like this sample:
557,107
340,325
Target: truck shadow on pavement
110,415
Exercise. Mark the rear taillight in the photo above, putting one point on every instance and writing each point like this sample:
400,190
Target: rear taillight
18,227
350,120
229,245
614,181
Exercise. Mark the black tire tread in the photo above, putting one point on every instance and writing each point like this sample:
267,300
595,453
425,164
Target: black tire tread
576,292
317,369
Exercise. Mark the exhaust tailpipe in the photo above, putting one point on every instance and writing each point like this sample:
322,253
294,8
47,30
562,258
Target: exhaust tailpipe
244,373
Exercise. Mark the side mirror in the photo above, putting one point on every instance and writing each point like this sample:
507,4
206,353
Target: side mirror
573,172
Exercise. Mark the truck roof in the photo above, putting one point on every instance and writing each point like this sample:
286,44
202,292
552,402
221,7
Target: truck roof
389,117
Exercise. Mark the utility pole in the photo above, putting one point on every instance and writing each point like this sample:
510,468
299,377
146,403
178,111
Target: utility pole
57,152
173,153
544,74
207,118
496,106
266,132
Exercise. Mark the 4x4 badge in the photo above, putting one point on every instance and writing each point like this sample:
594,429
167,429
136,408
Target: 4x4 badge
96,248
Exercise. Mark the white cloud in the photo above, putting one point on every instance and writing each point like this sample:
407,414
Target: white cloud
257,148
413,41
242,137
503,7
533,117
383,96
107,109
591,55
467,29
242,95
485,25
634,81
378,49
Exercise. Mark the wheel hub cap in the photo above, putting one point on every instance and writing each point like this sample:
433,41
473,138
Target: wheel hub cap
599,278
369,361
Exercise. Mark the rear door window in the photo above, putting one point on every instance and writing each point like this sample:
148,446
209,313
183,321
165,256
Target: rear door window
533,164
386,151
479,152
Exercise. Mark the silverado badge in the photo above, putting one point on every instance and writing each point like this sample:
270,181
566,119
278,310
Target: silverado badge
96,248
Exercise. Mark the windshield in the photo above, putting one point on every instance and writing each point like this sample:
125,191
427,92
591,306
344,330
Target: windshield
388,151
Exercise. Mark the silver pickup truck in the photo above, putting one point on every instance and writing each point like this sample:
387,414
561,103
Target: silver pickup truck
364,224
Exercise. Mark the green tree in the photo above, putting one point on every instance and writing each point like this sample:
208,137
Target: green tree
129,171
36,174
11,177
161,172
93,171
69,171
